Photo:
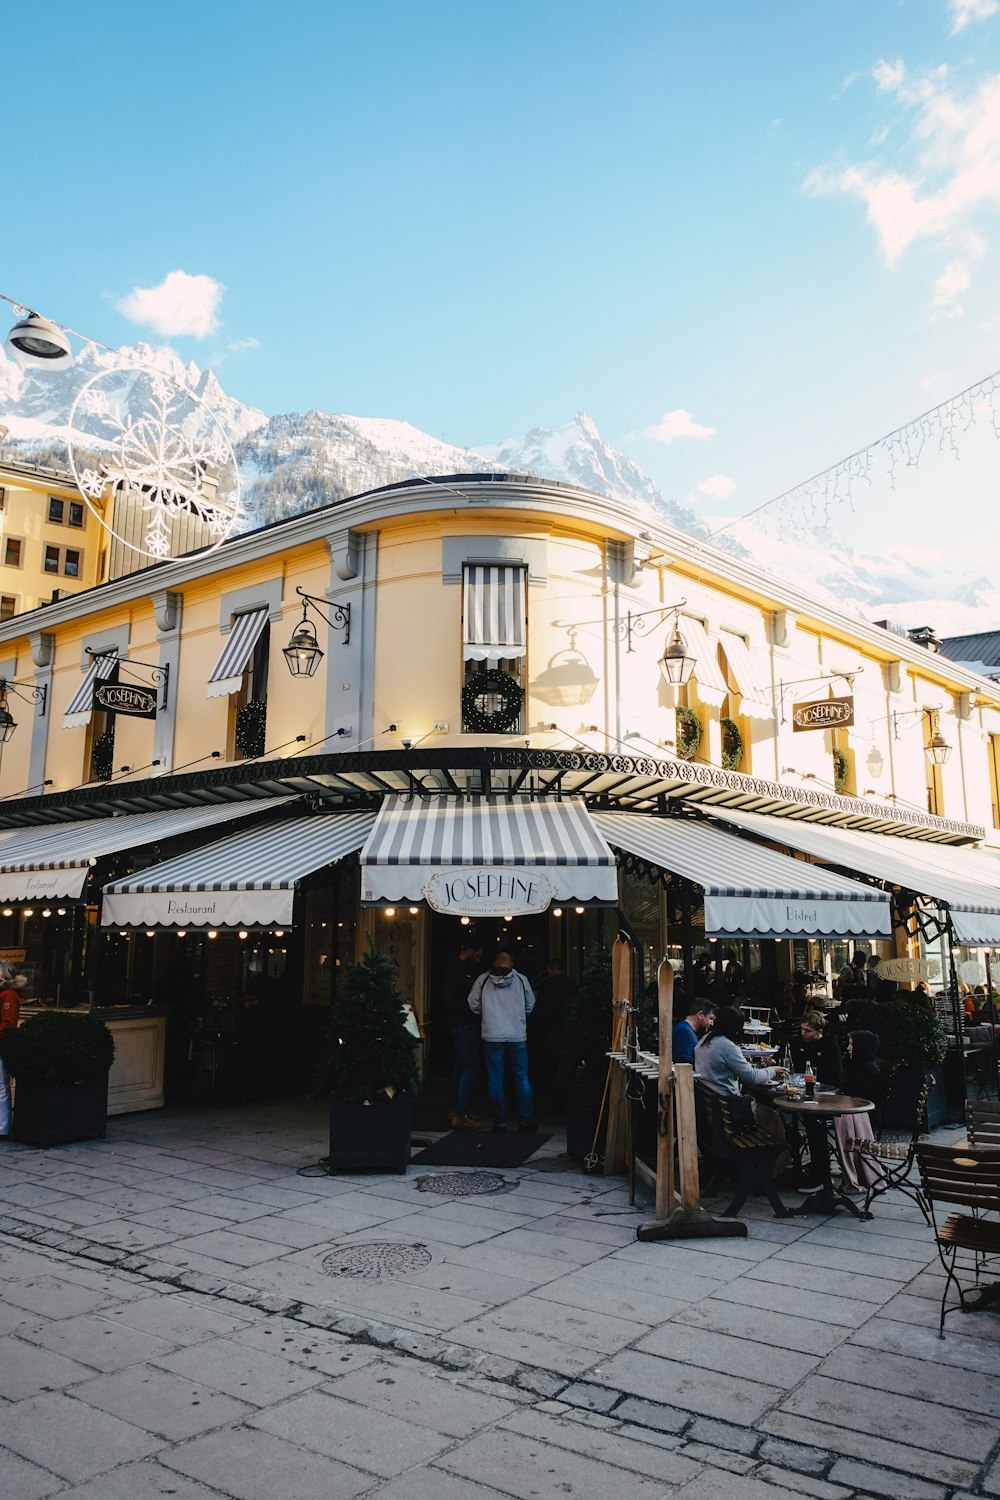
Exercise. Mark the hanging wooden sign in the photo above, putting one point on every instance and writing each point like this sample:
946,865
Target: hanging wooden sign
823,713
125,698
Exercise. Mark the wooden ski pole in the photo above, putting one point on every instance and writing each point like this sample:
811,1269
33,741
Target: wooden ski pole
621,970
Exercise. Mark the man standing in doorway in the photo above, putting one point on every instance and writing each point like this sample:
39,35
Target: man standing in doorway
458,981
505,1000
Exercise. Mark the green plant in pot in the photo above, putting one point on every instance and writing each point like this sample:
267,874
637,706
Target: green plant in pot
59,1061
369,1067
912,1042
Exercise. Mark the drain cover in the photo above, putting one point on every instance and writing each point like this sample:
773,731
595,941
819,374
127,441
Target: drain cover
461,1184
377,1261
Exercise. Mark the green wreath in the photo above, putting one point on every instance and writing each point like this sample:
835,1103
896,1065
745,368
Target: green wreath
250,727
491,703
688,733
841,767
732,744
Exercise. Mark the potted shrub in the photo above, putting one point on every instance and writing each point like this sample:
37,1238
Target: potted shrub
59,1061
912,1043
369,1068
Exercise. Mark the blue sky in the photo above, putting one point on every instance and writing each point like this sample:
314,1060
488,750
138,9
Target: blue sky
778,218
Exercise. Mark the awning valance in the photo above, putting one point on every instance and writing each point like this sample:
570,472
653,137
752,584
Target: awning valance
956,878
494,613
77,715
755,698
751,892
52,864
480,856
246,880
712,687
227,674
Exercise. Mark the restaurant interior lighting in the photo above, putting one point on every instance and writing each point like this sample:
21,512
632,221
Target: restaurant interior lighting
390,911
212,934
29,911
557,911
8,911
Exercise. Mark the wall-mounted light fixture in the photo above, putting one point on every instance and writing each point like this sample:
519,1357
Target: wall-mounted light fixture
676,664
29,694
937,748
303,653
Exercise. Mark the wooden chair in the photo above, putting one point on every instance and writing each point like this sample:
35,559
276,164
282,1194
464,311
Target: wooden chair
969,1176
750,1151
982,1122
895,1158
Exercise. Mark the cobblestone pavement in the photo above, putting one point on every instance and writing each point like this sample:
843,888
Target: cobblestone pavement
184,1314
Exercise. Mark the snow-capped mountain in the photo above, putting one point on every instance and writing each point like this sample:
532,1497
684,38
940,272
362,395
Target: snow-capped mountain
302,460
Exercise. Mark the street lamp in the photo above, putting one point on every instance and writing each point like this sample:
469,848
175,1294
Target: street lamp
676,665
37,343
20,690
937,748
303,652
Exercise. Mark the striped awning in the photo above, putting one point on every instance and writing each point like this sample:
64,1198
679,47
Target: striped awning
958,879
755,698
712,686
246,880
227,674
481,856
77,715
751,892
494,613
52,864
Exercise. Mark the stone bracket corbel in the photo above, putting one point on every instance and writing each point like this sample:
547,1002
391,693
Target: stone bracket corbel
782,625
344,547
167,610
43,645
892,672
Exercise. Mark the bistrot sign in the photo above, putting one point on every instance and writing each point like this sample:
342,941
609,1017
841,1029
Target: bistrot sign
124,698
485,891
823,713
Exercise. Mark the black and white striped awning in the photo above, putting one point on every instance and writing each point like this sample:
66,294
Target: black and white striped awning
247,880
750,891
754,696
52,864
483,856
227,674
494,613
77,715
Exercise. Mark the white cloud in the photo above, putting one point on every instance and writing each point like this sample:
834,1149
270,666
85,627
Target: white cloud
181,305
963,12
948,183
719,486
242,346
677,424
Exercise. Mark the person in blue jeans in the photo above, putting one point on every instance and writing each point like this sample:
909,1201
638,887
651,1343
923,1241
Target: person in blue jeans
504,999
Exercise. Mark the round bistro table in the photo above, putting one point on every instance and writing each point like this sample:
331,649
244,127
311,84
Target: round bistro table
817,1115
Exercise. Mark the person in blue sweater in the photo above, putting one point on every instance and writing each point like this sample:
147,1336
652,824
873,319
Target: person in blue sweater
687,1033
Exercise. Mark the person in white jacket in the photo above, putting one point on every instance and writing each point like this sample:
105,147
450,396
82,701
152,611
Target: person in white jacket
504,999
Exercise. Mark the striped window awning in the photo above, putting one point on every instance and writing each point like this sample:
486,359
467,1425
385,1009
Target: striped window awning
712,687
227,674
755,698
483,856
959,879
494,613
246,880
77,715
750,891
52,864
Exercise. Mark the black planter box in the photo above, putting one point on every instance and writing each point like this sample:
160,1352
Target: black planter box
370,1137
46,1115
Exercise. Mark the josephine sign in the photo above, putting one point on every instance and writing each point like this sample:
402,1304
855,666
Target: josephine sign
482,891
823,713
123,698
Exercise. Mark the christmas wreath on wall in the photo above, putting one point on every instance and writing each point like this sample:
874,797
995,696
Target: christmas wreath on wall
732,744
102,757
491,703
688,733
841,767
250,723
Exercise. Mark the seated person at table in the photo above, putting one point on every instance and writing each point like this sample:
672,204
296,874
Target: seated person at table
719,1062
863,1080
686,1033
814,1044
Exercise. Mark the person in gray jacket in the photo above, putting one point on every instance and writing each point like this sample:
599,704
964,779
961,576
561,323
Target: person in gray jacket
504,999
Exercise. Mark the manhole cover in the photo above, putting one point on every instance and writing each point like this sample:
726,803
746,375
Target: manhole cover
376,1261
461,1184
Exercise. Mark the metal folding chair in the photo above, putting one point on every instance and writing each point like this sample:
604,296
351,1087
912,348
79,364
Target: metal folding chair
968,1176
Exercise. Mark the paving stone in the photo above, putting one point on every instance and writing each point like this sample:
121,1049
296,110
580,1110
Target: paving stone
882,1482
713,1485
906,1376
736,1463
54,1297
782,1272
794,1456
888,1263
175,1317
922,1313
330,1425
919,1461
802,1484
652,1414
604,1443
722,1435
431,1483
776,1328
27,1369
957,1348
579,1289
806,1302
732,1356
590,1397
97,1341
525,1345
427,1399
248,1374
70,1439
675,1384
161,1402
898,1418
991,1481
531,1467
253,1465
541,1382
21,1480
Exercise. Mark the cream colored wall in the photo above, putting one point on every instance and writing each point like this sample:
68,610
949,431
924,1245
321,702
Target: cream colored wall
14,756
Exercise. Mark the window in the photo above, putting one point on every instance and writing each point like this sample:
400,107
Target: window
65,560
60,515
994,763
248,706
3,498
8,606
55,510
494,645
12,552
76,513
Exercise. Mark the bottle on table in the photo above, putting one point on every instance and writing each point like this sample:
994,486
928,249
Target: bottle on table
810,1080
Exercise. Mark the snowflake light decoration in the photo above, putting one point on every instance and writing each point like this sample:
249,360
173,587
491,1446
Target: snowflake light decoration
135,432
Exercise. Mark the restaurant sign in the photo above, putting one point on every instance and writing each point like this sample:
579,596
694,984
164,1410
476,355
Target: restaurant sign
485,891
125,698
909,968
823,713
